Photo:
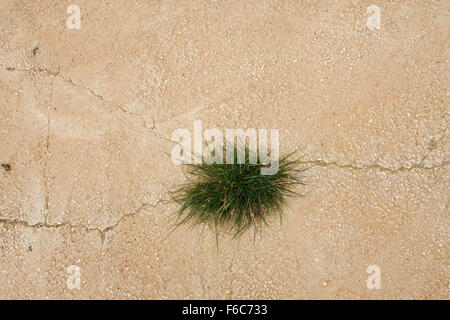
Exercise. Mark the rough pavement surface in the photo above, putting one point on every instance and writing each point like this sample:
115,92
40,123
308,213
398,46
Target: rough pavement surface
86,117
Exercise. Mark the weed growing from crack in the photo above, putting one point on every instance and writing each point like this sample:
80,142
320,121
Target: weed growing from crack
235,197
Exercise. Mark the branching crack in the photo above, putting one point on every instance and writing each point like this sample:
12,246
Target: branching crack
152,129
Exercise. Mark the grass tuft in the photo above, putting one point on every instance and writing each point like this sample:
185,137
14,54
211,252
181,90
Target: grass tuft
235,197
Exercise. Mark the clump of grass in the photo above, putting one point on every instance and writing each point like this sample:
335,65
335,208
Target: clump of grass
235,197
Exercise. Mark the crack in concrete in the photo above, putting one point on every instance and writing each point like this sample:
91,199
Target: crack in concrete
47,145
57,74
420,165
95,94
47,158
102,232
161,136
320,163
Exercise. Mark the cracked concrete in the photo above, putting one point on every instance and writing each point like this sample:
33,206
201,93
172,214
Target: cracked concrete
86,118
64,224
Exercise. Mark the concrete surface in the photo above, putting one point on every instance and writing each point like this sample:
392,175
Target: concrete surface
86,116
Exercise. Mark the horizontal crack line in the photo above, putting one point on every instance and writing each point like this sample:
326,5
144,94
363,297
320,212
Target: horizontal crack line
320,163
77,226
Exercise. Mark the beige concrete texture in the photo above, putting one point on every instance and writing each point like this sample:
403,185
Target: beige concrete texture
86,117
